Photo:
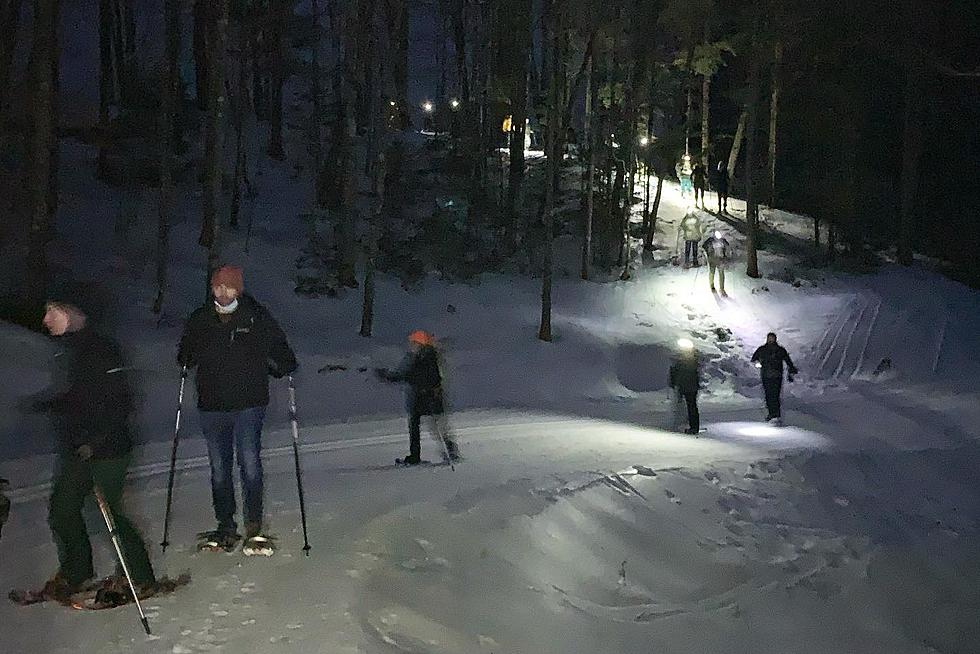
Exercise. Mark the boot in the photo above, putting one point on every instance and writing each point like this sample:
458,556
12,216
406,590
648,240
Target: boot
453,450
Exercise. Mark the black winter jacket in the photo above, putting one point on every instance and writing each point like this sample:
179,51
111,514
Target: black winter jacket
91,398
771,357
420,370
685,373
235,358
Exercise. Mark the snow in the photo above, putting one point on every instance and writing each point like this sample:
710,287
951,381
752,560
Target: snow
580,520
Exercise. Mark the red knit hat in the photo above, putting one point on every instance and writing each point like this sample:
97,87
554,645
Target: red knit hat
230,276
420,337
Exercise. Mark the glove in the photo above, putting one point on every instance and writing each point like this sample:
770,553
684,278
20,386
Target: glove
84,452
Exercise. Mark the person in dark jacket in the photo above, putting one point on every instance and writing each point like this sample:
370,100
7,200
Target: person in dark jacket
235,344
721,185
420,370
769,358
685,379
92,404
699,177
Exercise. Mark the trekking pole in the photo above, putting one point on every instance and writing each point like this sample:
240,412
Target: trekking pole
445,447
173,462
299,472
110,523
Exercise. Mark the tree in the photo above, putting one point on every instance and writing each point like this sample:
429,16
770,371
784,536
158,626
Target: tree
708,59
169,103
514,55
214,42
751,200
279,10
42,166
10,18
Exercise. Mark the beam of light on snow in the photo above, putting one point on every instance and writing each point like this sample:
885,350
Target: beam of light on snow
763,434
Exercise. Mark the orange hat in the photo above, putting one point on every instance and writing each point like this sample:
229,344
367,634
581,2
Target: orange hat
230,276
420,337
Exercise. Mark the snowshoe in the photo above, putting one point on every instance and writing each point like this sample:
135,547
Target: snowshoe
259,545
217,541
115,591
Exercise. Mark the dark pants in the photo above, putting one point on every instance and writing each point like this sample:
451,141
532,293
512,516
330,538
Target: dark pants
773,387
693,417
440,431
72,485
699,194
226,431
691,252
722,200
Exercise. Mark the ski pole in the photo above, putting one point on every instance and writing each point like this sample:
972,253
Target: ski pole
110,523
173,462
442,441
299,472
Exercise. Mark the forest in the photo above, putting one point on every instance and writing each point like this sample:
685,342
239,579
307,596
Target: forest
860,115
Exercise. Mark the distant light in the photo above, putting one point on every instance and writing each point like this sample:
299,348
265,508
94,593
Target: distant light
454,103
391,102
717,234
685,344
644,141
758,364
428,107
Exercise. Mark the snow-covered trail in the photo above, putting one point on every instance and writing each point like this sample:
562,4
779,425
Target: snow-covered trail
557,534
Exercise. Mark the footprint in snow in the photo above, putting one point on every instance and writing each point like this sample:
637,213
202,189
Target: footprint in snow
671,496
644,471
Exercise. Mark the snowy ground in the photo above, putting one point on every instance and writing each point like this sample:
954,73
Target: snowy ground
579,522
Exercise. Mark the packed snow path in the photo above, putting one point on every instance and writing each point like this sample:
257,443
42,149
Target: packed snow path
557,534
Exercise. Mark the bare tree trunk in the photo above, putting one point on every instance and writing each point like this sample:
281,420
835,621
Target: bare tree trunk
380,190
316,119
521,17
751,200
553,36
705,119
397,12
130,64
10,18
105,81
593,131
648,243
202,12
737,144
216,29
168,109
634,78
816,231
777,87
43,143
279,9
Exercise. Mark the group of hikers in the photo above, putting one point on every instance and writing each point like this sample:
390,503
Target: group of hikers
234,345
694,180
717,249
769,358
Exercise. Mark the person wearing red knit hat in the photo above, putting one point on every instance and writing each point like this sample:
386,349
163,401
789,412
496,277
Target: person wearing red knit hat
235,344
420,370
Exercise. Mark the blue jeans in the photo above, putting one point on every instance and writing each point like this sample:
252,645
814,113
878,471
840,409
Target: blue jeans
226,431
691,252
